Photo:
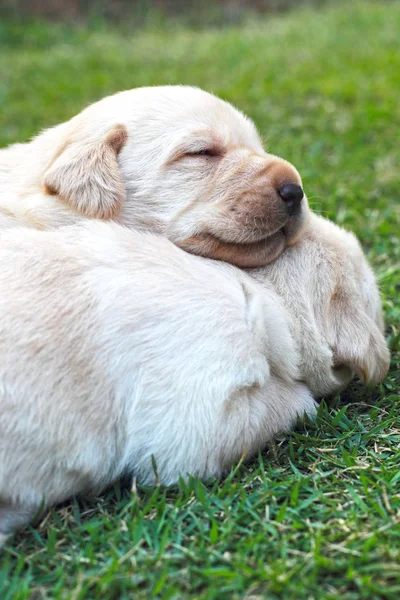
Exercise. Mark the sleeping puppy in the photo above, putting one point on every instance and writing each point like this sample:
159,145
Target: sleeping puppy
118,348
171,160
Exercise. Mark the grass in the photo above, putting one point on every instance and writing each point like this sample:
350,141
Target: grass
317,514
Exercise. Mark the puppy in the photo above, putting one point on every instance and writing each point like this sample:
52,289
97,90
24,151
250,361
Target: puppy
118,349
171,160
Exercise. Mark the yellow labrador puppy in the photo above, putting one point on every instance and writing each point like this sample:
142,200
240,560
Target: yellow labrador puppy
116,347
171,160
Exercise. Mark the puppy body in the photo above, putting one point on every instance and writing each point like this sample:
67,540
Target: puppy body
117,347
171,160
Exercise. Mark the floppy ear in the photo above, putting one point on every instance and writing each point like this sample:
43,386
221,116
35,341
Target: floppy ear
356,340
87,177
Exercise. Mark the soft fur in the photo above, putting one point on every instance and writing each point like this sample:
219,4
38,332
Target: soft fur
118,349
138,157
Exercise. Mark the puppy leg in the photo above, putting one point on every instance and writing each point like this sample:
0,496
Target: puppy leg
13,517
253,417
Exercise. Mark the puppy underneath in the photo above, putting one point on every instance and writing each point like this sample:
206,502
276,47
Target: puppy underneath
171,160
117,347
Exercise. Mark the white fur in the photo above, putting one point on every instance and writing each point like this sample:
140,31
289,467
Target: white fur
117,347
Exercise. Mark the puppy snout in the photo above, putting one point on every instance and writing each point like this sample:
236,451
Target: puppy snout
292,194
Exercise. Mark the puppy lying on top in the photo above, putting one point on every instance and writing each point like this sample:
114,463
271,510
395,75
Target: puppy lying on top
116,347
171,160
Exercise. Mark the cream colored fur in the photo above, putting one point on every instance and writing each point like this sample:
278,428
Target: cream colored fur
116,347
136,157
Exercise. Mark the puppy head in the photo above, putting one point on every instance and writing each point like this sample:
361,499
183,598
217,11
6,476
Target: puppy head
330,290
178,161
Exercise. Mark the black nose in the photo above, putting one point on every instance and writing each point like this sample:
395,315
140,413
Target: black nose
292,194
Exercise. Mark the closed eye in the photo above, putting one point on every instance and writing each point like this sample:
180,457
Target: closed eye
202,147
204,152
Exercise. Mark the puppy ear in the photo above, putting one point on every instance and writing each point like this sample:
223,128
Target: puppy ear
87,177
356,341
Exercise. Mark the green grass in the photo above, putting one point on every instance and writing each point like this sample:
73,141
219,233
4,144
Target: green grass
317,515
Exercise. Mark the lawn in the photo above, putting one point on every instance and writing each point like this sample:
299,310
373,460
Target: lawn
317,514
